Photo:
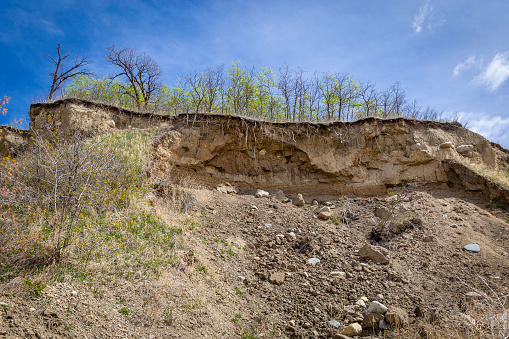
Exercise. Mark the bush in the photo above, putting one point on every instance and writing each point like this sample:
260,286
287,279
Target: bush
48,193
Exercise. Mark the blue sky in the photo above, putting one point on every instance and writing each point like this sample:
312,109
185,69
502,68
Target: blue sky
452,55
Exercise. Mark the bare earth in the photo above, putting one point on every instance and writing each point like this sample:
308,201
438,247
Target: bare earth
241,277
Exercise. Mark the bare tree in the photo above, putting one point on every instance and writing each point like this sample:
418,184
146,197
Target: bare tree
62,73
141,73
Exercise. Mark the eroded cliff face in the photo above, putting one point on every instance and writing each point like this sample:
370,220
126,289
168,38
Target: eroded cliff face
12,141
362,157
89,117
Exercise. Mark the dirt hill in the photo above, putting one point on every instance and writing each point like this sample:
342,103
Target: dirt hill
297,230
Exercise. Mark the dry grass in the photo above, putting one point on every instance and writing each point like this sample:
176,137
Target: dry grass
500,177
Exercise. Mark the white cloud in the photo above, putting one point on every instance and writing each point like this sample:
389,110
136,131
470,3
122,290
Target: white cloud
427,18
464,65
51,28
493,128
424,13
496,73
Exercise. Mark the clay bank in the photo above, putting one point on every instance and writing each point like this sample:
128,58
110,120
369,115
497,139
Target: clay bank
362,157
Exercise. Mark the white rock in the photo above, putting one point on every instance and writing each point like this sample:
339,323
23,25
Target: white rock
360,302
376,307
262,194
313,261
323,209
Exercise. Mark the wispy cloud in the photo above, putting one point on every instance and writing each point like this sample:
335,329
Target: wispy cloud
493,128
427,18
420,18
471,61
51,28
496,73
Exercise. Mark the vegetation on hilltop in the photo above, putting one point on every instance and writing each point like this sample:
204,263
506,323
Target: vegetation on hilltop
286,95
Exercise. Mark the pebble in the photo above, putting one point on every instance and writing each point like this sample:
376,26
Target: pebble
447,144
337,274
415,146
472,248
325,215
262,194
376,307
313,261
291,235
352,330
473,295
267,225
334,323
299,201
454,225
324,209
361,303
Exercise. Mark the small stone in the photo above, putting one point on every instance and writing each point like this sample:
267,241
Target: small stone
375,253
110,123
299,201
32,309
361,303
291,236
383,325
306,325
325,215
454,225
415,146
472,248
74,293
447,144
313,261
262,194
267,225
338,274
376,307
352,330
397,316
227,188
371,320
465,150
280,196
334,323
473,295
324,209
277,278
